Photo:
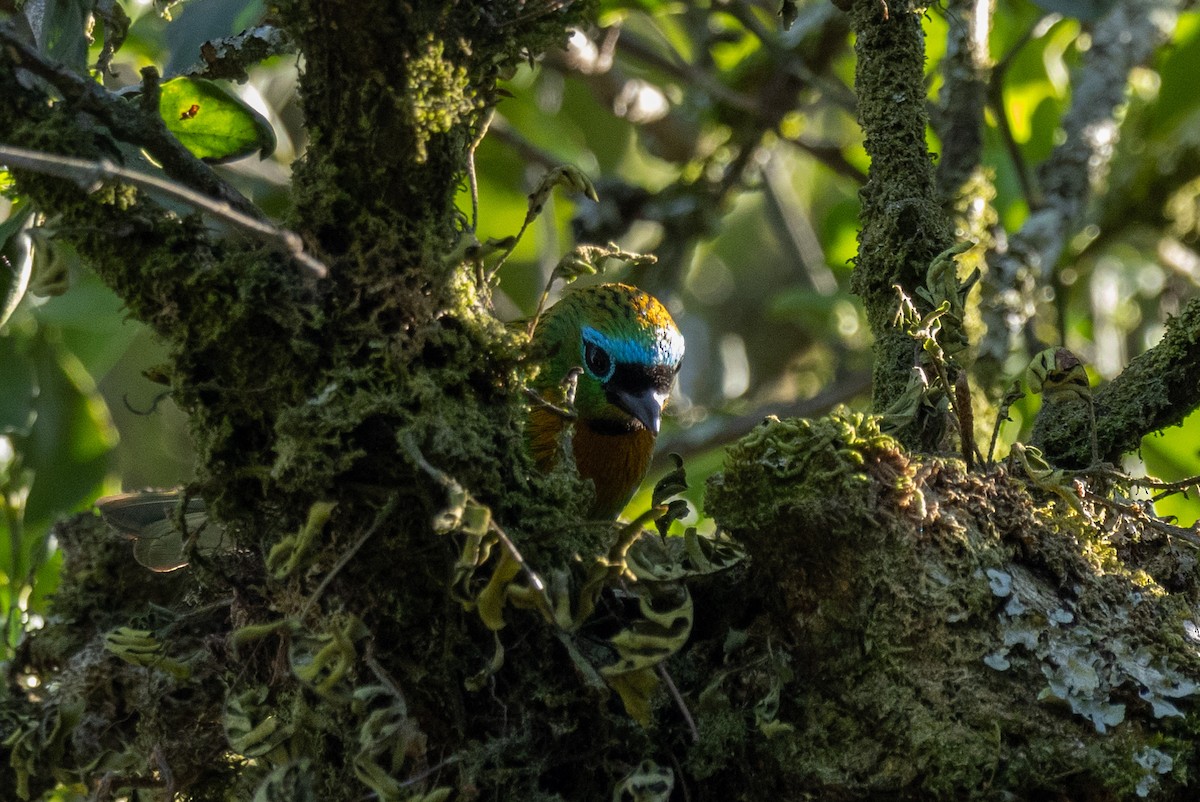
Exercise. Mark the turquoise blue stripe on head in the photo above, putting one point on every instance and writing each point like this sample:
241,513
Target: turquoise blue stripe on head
664,348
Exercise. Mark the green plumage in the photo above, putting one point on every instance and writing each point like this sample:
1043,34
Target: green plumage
629,350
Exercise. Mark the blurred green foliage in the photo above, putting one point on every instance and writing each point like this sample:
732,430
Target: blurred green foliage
717,140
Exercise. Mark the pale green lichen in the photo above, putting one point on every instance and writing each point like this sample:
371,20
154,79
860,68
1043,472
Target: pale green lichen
799,462
1090,664
1154,762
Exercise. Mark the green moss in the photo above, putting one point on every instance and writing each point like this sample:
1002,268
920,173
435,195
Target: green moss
803,460
439,94
301,392
953,634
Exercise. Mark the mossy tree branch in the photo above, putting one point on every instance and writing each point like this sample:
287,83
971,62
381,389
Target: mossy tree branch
834,669
1156,390
90,174
399,133
903,225
135,123
297,394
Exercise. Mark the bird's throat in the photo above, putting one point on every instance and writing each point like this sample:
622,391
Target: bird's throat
605,427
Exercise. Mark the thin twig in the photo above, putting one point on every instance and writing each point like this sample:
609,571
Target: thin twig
687,797
129,122
683,708
90,174
535,580
570,384
511,246
1014,394
1138,512
384,677
451,485
529,153
541,306
382,516
484,124
1147,482
966,419
562,412
416,778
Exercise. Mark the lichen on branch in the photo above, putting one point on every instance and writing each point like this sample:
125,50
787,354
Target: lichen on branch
952,634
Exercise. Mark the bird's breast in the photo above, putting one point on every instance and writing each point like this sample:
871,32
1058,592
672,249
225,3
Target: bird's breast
615,462
615,458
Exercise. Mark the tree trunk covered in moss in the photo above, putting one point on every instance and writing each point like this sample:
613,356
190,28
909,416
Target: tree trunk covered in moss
902,629
312,404
903,225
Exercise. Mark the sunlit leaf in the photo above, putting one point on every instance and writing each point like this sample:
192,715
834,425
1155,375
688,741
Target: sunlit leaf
212,122
1177,96
1171,455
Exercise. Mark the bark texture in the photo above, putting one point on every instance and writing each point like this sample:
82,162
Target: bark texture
903,225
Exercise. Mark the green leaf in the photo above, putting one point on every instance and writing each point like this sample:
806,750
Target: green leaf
91,322
59,26
671,484
15,262
70,446
212,122
19,380
114,23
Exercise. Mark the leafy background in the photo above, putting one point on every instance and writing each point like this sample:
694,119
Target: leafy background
734,146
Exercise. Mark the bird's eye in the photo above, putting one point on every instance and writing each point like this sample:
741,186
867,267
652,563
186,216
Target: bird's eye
598,362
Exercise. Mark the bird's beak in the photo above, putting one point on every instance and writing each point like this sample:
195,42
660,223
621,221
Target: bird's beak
646,406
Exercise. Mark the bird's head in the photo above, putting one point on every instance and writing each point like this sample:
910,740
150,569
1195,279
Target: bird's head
628,347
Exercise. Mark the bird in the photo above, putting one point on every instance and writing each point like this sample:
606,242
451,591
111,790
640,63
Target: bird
629,351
